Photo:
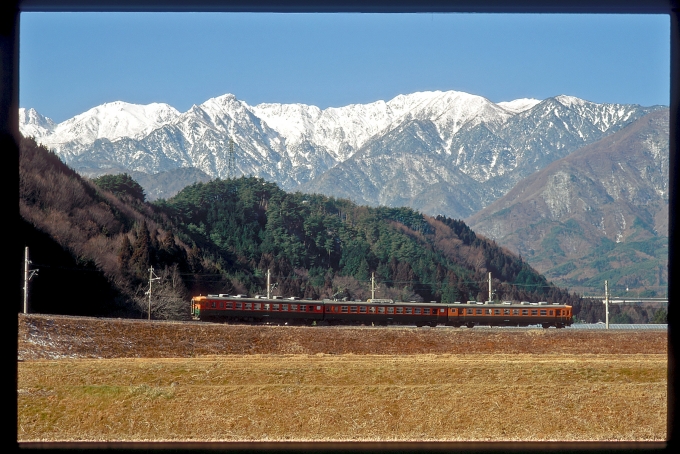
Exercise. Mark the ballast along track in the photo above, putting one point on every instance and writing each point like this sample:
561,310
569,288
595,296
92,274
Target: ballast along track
241,309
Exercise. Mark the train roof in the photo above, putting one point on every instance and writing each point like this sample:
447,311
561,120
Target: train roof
379,301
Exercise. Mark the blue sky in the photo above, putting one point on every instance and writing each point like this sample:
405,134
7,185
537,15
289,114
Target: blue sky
71,62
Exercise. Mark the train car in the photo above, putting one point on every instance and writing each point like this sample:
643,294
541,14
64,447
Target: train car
384,312
239,308
509,314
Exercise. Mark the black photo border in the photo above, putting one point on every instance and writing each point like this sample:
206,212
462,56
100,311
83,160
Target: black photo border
9,135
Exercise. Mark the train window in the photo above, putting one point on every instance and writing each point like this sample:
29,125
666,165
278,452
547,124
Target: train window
497,311
551,312
353,309
409,310
293,307
489,311
390,310
371,309
257,306
469,311
275,307
416,311
400,310
506,311
221,305
442,310
362,309
515,312
343,308
525,312
239,305
311,308
230,306
426,311
479,312
544,312
381,310
284,307
303,308
213,304
534,312
249,306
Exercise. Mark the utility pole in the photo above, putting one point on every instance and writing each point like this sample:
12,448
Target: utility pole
269,289
152,277
490,292
606,303
372,286
28,274
26,280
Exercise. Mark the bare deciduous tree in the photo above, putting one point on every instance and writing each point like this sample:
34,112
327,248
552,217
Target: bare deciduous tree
169,297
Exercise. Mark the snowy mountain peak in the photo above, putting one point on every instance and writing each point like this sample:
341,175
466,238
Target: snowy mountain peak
571,101
425,98
519,105
33,124
225,106
222,101
112,121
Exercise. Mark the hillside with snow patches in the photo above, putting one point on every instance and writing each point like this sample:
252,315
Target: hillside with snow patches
448,153
599,213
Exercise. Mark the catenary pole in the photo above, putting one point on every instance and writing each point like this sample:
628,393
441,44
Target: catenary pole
606,303
26,280
151,279
490,286
372,286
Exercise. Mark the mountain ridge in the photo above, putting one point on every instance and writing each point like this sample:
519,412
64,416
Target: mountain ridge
436,136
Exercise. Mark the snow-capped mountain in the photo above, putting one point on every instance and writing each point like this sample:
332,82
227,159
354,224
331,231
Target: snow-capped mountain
416,163
111,121
443,152
33,124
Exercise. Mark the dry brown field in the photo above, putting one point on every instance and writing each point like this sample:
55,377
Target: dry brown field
82,379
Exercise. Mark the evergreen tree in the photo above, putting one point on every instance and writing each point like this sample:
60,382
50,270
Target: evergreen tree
125,253
121,185
141,252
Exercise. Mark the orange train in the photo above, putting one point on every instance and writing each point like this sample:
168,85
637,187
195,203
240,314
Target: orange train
291,311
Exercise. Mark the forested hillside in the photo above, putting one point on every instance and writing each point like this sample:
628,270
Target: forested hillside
318,246
223,236
93,249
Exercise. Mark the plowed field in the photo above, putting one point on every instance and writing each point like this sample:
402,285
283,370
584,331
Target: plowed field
86,379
